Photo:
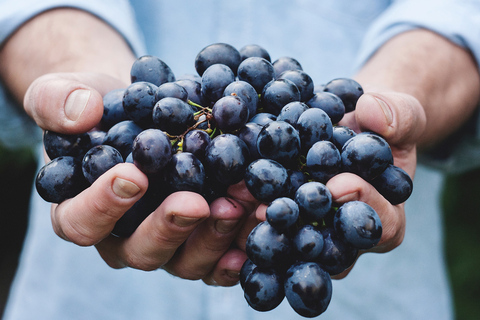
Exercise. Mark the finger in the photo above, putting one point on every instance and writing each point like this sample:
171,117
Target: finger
209,242
159,236
349,187
90,216
68,103
227,271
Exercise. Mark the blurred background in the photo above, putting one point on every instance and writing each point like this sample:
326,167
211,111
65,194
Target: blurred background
461,214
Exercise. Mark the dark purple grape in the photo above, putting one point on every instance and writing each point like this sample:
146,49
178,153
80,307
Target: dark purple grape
171,89
279,141
278,93
121,136
245,271
99,160
254,50
341,134
226,158
246,92
394,184
283,64
214,81
291,112
282,213
263,289
113,111
308,289
307,243
329,103
151,69
60,179
151,151
268,248
189,76
138,102
337,255
193,88
314,200
346,89
249,134
263,118
367,155
256,71
303,82
230,113
59,144
323,161
217,53
267,180
314,125
97,137
173,115
296,178
196,142
358,224
184,172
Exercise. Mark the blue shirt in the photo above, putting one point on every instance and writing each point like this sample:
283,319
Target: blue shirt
331,38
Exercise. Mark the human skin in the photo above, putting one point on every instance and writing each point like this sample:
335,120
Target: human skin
69,59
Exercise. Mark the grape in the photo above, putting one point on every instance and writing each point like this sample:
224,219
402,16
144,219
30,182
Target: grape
222,53
226,158
308,243
184,172
337,255
254,50
279,141
283,64
268,248
323,161
151,69
58,144
329,103
302,80
278,93
246,92
121,136
263,289
394,184
214,81
308,289
60,179
256,71
291,112
172,115
138,102
341,134
263,118
230,113
282,213
98,160
314,200
113,111
366,155
314,125
151,151
346,89
358,224
171,89
249,134
193,88
196,142
266,180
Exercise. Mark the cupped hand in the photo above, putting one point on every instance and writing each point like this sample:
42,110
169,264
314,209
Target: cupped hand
185,235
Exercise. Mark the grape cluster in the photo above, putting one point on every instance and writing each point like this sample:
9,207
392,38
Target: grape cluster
242,117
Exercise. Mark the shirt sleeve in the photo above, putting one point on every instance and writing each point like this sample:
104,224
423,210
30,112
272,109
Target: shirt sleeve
18,130
458,21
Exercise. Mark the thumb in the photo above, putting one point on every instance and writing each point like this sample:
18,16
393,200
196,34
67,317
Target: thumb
398,117
68,103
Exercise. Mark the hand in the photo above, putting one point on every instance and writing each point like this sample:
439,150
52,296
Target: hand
401,120
184,235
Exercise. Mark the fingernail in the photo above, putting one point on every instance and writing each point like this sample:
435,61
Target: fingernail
348,197
225,226
386,110
184,221
233,274
124,188
76,103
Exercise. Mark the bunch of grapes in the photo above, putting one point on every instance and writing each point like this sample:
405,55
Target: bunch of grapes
242,117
